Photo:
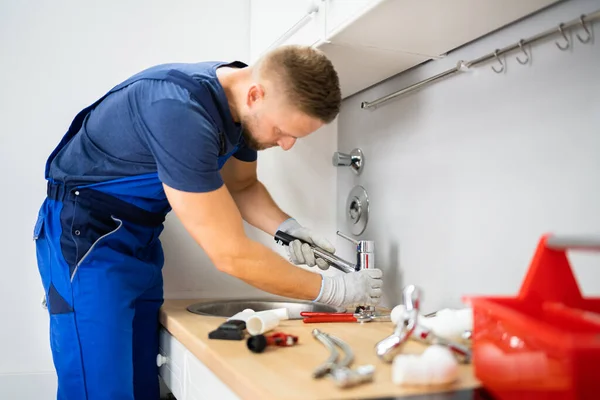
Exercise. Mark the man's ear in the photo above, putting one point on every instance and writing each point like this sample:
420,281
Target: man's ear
256,93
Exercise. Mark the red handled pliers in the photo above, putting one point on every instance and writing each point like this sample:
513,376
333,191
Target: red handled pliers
315,317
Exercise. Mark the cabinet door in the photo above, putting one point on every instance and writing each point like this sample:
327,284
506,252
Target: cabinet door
431,27
172,366
276,22
342,12
202,384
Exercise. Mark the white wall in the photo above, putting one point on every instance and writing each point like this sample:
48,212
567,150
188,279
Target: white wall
467,174
57,57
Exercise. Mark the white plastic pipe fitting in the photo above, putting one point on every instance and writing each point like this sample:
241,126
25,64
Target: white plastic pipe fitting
264,321
449,324
436,366
242,315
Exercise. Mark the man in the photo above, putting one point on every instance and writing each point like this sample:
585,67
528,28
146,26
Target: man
181,137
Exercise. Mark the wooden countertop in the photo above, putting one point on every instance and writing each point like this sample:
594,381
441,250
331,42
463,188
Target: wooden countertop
285,372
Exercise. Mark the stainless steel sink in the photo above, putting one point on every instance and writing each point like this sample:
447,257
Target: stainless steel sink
228,308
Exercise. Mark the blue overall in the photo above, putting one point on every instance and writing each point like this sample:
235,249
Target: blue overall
100,260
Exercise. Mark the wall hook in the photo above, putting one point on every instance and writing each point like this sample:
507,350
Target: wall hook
585,28
562,32
498,71
523,62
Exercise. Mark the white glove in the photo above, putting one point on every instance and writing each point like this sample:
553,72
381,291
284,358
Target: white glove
301,253
354,288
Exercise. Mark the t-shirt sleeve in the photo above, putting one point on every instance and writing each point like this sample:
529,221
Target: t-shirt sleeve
185,144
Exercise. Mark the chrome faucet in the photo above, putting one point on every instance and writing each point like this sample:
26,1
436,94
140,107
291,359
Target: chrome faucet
408,327
365,259
388,348
365,253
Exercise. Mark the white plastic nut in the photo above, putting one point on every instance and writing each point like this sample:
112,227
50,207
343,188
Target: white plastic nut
449,324
161,360
436,366
397,313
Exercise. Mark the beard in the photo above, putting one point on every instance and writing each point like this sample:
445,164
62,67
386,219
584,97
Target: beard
248,124
251,142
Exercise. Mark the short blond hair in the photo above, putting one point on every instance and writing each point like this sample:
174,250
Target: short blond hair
308,78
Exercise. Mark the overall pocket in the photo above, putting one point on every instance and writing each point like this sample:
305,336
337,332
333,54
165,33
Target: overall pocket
113,266
95,243
43,255
42,251
39,226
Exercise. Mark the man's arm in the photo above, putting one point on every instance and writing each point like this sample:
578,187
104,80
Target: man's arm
251,197
214,221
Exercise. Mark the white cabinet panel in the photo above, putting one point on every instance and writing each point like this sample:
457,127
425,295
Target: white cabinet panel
271,21
173,369
202,384
359,68
372,40
432,27
186,376
341,12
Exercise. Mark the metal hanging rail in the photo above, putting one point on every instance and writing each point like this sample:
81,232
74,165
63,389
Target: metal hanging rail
520,45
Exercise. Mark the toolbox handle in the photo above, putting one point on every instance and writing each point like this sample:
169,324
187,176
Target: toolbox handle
580,242
550,277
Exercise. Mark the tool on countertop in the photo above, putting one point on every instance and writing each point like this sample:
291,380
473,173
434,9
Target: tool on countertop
252,321
233,328
340,372
425,335
360,315
450,324
258,343
389,347
410,325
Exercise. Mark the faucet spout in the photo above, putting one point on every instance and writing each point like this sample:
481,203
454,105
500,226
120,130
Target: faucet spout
334,261
283,238
365,254
389,347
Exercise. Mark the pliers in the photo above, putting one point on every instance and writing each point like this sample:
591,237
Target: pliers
316,317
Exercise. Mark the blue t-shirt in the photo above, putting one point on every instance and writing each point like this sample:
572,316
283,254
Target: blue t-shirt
154,126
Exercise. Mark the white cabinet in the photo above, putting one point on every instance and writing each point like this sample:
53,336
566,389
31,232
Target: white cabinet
430,27
186,376
202,384
171,363
276,22
371,40
343,12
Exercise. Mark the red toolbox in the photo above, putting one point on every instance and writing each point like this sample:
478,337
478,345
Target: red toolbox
545,342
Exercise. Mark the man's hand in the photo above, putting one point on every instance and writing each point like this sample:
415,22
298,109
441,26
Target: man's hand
354,288
300,253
